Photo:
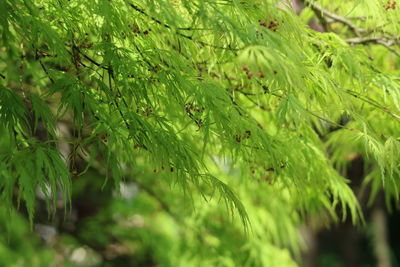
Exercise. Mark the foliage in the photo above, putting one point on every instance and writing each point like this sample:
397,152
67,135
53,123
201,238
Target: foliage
215,110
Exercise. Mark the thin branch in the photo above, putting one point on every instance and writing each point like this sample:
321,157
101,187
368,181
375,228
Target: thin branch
394,51
374,39
372,103
322,12
111,76
363,40
138,9
43,66
388,43
91,60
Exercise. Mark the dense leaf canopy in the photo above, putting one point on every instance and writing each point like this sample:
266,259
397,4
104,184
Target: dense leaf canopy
235,120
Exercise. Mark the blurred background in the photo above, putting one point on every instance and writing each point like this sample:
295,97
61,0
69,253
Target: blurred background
132,226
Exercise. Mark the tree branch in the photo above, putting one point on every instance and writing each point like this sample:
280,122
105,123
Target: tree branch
388,43
138,9
322,12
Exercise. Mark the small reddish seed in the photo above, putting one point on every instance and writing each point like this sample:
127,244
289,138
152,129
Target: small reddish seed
237,138
390,5
245,68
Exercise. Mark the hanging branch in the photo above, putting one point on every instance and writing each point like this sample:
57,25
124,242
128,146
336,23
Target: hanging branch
138,9
37,57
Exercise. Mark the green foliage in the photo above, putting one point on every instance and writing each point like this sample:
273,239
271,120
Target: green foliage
14,248
217,110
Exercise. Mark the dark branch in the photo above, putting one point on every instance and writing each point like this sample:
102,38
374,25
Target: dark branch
322,12
138,9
